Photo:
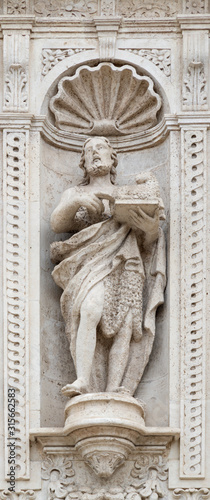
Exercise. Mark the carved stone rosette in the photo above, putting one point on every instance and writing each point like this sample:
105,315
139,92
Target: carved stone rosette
16,293
195,7
14,7
193,316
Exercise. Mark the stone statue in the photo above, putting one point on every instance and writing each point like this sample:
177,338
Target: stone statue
111,270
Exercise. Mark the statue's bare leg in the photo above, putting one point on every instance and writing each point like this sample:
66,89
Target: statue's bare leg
118,356
138,358
90,315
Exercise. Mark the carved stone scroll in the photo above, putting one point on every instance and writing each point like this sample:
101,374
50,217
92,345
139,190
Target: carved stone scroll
16,294
193,329
146,479
153,9
70,9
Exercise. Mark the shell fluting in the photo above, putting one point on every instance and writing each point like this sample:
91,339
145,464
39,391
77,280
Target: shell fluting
107,100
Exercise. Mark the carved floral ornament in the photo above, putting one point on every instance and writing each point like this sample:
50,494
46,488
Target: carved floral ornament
86,9
15,7
147,480
51,57
83,103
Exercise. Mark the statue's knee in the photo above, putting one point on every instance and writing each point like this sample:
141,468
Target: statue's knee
91,310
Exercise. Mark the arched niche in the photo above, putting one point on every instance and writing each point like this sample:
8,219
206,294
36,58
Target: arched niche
60,153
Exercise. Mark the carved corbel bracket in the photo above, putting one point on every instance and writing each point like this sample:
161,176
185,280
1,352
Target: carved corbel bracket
107,30
103,430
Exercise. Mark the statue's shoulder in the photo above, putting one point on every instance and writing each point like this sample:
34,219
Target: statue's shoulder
70,192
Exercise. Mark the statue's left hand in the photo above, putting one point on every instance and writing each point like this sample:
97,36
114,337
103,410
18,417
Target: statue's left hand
140,220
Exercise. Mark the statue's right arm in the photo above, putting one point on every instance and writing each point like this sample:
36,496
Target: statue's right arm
63,217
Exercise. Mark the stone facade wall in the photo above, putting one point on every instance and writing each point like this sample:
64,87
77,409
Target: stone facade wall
42,42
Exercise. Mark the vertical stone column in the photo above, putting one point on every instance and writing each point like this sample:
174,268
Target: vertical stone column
193,245
15,150
16,247
193,308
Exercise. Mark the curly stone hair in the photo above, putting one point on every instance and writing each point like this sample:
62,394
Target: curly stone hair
113,173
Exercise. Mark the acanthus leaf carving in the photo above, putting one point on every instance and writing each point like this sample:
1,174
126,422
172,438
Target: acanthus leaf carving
58,470
194,91
66,8
150,474
160,57
104,464
16,88
51,57
147,480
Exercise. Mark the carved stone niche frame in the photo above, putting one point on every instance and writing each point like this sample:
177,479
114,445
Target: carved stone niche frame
104,443
85,76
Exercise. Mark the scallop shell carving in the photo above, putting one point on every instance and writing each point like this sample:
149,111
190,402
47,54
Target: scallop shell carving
105,100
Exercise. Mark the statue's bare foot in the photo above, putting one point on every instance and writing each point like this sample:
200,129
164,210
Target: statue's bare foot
78,387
